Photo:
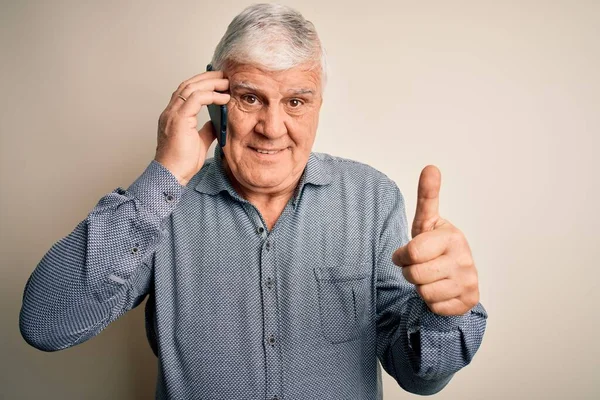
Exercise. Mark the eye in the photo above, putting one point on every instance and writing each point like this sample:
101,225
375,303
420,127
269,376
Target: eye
250,99
295,103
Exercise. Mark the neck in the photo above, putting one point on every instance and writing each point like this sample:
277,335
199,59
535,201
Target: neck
261,198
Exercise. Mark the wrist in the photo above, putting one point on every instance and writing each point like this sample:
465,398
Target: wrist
182,180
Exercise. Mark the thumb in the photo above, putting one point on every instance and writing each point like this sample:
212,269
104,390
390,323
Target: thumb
207,134
428,195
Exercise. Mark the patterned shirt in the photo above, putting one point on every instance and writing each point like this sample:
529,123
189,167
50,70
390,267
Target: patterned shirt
236,311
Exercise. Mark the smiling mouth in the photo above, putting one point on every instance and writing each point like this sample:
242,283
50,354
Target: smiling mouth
266,151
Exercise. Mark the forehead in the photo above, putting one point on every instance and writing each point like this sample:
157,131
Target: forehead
301,77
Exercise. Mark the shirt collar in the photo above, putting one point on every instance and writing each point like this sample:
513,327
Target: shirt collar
215,180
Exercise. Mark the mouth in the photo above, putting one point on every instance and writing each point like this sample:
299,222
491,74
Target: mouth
267,151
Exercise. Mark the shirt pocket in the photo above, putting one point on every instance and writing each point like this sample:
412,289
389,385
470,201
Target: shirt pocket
342,292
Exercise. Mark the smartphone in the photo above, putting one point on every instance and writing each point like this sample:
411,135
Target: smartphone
218,116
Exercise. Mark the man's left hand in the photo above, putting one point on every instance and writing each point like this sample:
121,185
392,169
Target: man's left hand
438,259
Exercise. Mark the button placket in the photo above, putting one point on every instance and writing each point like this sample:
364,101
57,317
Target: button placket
269,297
253,214
261,229
272,353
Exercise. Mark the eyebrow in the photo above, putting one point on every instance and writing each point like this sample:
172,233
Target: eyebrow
249,86
245,85
301,91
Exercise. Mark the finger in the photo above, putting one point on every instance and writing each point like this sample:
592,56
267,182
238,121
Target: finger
207,85
425,247
197,99
212,85
196,78
201,76
430,271
427,200
449,307
443,290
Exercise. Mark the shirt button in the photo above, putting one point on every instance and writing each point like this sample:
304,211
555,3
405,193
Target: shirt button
260,229
270,282
275,398
272,340
268,245
169,198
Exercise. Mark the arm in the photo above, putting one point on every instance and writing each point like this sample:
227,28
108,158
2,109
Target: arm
420,349
102,268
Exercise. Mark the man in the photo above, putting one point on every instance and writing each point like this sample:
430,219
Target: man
272,272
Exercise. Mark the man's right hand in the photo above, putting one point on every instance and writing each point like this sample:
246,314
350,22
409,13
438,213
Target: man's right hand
180,147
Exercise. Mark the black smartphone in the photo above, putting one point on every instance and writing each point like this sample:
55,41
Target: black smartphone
218,116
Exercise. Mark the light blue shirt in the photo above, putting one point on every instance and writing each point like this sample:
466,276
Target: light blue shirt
238,312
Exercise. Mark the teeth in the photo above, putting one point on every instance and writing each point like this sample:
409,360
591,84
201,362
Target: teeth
266,151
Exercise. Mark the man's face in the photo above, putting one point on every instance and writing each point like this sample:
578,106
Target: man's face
274,111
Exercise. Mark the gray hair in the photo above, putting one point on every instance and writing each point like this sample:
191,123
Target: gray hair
274,36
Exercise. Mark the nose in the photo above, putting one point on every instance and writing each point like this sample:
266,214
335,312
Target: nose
271,122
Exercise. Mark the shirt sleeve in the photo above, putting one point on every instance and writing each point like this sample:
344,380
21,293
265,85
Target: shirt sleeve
103,268
420,349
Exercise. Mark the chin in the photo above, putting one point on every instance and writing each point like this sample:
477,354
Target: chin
266,181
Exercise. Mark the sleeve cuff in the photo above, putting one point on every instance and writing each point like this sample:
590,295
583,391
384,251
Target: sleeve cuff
157,189
443,344
422,317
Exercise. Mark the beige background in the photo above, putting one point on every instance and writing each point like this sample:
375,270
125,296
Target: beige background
502,96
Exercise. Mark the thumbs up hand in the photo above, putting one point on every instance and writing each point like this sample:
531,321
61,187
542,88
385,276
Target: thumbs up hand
438,258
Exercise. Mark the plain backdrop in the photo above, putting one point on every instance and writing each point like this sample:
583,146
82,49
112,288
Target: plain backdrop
504,97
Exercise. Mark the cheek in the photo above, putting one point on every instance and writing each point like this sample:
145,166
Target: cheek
303,130
239,124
